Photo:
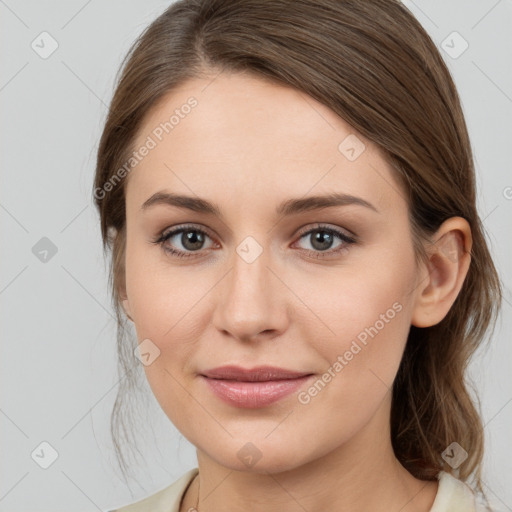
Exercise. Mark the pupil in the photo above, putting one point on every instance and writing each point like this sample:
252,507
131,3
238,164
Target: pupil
192,240
321,238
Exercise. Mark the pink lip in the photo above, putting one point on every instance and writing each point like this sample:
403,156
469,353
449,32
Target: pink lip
253,388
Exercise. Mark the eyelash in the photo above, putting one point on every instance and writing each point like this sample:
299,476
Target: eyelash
165,236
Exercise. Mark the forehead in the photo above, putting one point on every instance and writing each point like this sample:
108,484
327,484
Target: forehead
245,137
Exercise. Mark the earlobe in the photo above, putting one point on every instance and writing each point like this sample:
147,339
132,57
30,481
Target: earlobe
448,263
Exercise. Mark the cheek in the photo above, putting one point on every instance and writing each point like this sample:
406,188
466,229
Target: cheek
368,314
162,298
370,317
168,308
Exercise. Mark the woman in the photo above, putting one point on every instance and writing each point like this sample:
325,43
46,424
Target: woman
288,192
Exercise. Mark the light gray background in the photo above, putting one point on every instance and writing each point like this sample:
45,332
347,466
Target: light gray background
58,361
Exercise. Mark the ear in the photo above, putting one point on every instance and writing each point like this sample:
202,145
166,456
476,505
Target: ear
119,249
448,263
127,310
123,297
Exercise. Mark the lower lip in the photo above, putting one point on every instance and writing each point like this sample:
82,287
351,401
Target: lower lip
251,395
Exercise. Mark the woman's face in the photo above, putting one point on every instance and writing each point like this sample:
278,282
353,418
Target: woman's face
266,280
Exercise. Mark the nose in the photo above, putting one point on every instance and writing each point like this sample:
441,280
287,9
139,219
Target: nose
251,300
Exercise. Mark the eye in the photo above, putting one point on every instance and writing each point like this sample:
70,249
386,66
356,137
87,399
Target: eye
322,238
187,239
183,241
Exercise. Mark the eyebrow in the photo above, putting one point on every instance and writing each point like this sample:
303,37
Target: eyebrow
287,208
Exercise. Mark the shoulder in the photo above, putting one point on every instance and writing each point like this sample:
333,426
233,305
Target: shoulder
165,500
453,495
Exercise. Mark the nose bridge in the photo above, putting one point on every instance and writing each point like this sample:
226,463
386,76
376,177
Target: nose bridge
248,303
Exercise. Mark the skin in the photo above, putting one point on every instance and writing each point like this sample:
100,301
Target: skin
247,146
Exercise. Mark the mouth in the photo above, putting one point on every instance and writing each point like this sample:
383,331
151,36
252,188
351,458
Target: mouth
253,388
258,374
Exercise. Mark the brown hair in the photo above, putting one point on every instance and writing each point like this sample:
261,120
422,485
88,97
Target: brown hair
374,65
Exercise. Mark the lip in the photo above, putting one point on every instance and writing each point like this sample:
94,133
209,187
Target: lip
257,374
253,388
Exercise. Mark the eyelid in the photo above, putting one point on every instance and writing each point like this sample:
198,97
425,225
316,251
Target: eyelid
184,227
322,225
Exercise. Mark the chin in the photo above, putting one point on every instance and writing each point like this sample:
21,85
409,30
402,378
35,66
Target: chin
261,456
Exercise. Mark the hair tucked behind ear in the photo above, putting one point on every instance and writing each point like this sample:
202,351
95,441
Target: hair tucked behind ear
373,64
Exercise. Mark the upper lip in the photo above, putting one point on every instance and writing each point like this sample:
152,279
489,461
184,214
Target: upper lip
257,374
